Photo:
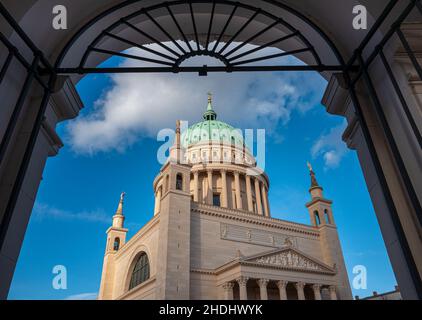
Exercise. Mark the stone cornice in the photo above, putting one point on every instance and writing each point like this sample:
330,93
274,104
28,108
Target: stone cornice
210,272
336,96
245,216
218,271
124,230
233,168
350,132
66,102
308,204
53,138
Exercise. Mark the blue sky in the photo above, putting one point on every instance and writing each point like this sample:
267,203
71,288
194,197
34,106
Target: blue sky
112,148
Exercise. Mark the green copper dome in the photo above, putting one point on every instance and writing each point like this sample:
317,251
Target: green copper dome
211,130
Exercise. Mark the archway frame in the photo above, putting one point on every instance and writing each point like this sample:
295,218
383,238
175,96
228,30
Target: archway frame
48,77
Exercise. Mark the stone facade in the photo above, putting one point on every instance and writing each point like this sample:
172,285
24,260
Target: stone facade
212,235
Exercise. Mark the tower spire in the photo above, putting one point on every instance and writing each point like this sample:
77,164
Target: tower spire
119,218
119,211
209,101
316,189
314,182
210,113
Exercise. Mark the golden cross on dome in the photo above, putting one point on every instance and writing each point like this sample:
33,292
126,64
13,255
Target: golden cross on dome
209,97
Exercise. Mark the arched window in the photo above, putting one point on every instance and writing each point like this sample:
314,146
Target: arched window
116,244
179,181
317,218
140,272
327,216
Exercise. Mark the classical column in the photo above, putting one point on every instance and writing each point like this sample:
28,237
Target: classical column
237,190
282,284
224,202
249,193
263,288
228,290
258,196
333,293
300,292
195,186
243,293
265,200
210,191
317,291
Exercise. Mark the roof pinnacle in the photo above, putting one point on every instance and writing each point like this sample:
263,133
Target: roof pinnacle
314,182
210,99
210,113
119,210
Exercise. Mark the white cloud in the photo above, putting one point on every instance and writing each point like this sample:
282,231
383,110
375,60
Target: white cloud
42,211
83,296
142,104
330,147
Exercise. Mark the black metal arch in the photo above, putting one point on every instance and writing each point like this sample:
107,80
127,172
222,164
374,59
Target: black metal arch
170,58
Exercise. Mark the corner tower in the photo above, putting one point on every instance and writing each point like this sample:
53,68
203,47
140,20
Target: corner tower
116,238
173,205
320,210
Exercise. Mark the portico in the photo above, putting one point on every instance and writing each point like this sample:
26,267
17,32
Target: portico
242,289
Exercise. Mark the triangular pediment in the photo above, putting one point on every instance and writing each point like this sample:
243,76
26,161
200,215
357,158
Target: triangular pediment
289,258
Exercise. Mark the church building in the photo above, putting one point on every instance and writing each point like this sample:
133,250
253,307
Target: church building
212,235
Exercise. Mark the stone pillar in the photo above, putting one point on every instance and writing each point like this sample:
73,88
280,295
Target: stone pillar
263,288
228,290
265,200
210,191
237,190
317,291
157,201
196,186
333,293
258,196
282,284
243,293
249,193
300,293
224,196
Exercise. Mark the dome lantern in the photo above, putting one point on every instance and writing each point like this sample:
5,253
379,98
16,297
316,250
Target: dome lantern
210,113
